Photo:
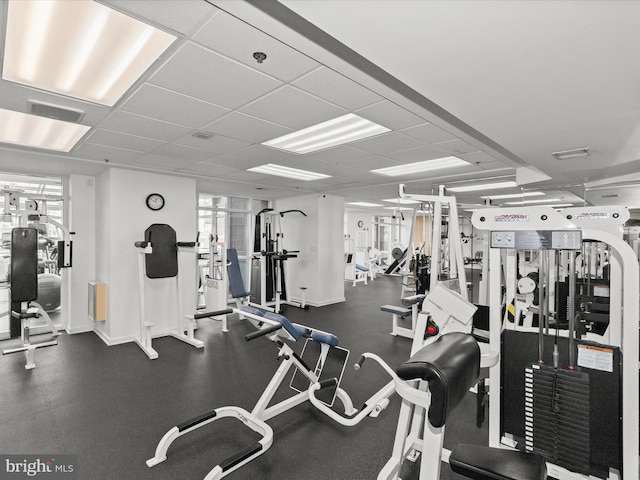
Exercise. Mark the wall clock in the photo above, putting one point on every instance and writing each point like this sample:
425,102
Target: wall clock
155,201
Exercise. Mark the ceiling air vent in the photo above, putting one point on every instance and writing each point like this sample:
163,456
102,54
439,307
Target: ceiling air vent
574,153
203,135
611,195
54,111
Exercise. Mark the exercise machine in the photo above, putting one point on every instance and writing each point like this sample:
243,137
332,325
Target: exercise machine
410,307
24,292
580,411
279,330
158,256
444,313
268,278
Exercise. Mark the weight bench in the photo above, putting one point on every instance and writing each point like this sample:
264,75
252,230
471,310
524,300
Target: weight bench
449,366
413,302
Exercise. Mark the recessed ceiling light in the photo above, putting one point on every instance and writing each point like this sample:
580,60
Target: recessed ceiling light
338,131
398,208
401,201
529,202
27,130
81,49
513,195
424,166
484,186
364,204
583,152
288,172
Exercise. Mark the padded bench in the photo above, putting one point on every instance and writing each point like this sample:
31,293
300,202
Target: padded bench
485,463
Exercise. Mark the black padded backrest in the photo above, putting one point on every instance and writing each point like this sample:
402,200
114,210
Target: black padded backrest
24,264
451,365
163,261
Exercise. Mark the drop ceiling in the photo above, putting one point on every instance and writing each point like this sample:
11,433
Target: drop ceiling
501,85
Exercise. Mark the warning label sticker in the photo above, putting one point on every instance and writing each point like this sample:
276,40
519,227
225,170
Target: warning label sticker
596,358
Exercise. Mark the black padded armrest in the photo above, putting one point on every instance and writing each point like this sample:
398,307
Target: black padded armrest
485,463
451,365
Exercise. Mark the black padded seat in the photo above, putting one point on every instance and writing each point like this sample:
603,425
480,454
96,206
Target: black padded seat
451,365
485,463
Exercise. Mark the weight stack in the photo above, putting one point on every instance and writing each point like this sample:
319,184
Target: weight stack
557,416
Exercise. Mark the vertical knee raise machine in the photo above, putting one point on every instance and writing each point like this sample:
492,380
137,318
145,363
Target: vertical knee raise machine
158,259
24,292
278,329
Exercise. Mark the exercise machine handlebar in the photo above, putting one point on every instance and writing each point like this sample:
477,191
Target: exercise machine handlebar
216,313
262,332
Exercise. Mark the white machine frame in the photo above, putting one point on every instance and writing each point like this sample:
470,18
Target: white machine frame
262,411
188,324
623,329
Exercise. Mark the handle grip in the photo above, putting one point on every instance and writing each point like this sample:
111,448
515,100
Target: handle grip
329,382
262,332
359,363
216,313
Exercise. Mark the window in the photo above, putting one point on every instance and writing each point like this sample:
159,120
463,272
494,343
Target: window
23,199
228,220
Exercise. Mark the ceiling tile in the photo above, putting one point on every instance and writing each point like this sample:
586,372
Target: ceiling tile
182,152
370,162
282,61
246,127
180,16
428,133
162,104
163,161
340,154
102,153
455,147
390,115
338,89
386,143
259,155
142,126
122,140
426,152
203,74
217,145
293,108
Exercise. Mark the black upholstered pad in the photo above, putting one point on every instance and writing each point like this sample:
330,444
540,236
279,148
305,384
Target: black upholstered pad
24,264
485,463
451,365
163,261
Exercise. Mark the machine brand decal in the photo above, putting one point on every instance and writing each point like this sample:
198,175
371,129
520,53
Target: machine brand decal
592,215
512,218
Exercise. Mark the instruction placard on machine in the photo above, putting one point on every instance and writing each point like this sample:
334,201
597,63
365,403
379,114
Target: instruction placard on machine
537,239
596,358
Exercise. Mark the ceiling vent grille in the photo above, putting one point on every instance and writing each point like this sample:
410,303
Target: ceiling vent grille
203,135
571,154
56,112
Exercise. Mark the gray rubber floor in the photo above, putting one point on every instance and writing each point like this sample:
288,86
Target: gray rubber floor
111,405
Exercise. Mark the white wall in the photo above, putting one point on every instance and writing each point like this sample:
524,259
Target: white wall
122,218
319,237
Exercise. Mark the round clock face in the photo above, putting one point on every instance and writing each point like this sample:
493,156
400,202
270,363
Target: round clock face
155,201
360,223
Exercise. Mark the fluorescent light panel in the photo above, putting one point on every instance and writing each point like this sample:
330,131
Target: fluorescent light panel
78,48
338,131
364,204
529,202
418,167
401,201
398,208
485,186
514,195
40,132
288,172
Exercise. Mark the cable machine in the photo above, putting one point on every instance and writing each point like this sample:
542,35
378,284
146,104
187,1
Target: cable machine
268,279
565,391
